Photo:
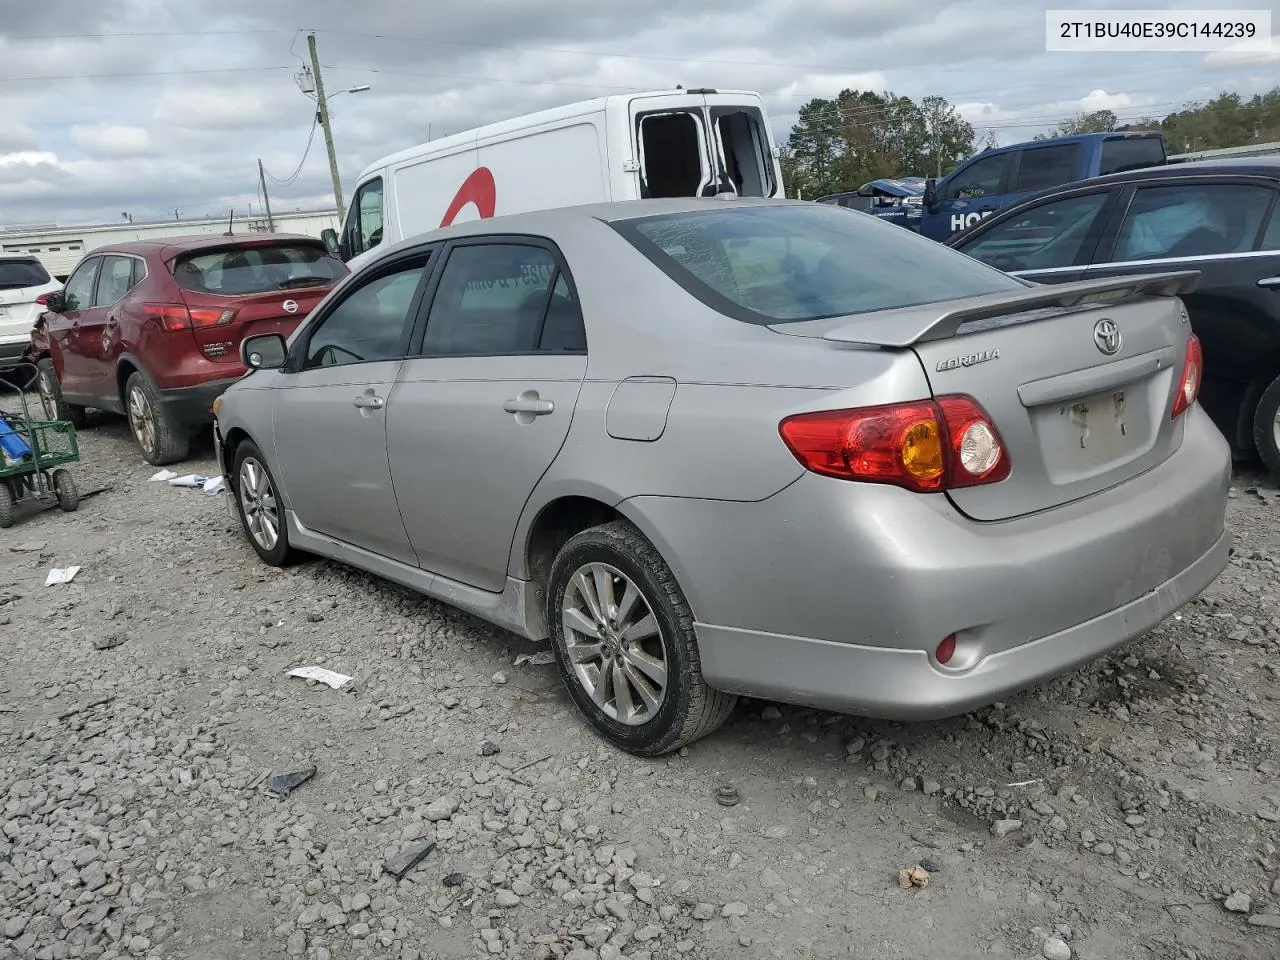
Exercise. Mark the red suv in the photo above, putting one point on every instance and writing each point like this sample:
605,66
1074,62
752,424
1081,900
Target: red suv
152,329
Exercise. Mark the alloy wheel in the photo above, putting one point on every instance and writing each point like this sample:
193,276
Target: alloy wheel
614,644
142,420
258,501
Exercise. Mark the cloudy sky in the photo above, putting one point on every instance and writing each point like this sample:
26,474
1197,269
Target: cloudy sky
152,106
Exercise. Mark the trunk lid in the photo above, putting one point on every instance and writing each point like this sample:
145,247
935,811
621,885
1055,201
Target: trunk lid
1078,410
277,312
257,286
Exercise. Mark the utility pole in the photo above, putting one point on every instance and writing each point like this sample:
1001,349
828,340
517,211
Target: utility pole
324,122
262,179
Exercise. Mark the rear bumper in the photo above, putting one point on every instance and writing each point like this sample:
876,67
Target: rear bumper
905,684
191,406
12,350
836,594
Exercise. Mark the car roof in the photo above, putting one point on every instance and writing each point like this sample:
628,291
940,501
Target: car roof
168,247
544,222
1248,166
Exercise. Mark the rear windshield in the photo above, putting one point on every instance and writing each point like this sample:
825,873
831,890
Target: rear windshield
15,274
237,271
1131,153
794,262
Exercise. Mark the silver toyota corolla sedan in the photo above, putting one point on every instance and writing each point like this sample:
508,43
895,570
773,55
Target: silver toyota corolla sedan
714,447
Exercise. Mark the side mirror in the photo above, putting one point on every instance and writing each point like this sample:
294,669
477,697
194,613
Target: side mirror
266,351
56,302
930,198
330,238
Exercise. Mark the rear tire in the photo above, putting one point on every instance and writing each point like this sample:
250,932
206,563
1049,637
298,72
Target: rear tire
8,509
160,439
64,484
56,408
612,662
1266,427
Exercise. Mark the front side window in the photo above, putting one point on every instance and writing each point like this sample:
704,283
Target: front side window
1191,220
79,287
1049,235
371,324
367,217
493,299
797,262
982,178
1040,168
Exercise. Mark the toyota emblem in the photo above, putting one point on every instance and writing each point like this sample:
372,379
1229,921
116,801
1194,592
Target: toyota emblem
1106,336
291,306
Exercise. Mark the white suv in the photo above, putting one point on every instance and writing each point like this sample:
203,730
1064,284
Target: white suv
25,285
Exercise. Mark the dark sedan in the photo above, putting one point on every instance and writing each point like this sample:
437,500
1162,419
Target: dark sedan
1221,217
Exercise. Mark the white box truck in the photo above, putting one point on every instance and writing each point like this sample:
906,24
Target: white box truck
672,143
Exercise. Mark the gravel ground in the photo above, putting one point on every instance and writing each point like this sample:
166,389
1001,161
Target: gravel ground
1130,809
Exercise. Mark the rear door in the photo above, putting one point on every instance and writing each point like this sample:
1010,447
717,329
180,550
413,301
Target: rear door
1225,227
485,403
673,147
1050,242
100,330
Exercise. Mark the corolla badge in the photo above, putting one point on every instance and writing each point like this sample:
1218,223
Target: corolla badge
955,363
290,306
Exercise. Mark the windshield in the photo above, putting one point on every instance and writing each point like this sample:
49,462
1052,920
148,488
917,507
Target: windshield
793,262
16,274
238,271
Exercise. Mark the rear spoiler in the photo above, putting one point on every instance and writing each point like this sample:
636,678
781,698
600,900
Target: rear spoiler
911,325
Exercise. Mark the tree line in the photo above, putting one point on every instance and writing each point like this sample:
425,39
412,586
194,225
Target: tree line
840,143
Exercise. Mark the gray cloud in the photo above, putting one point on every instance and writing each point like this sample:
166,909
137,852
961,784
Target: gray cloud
86,149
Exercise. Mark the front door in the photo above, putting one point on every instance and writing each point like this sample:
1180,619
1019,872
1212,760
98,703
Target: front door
971,193
330,412
74,367
100,327
1050,242
483,408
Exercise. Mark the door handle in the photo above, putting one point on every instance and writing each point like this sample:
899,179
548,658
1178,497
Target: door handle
529,404
369,400
1269,282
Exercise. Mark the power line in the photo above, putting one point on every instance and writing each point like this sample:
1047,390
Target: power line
141,33
152,73
288,181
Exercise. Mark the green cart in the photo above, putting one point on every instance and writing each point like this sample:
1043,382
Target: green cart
32,454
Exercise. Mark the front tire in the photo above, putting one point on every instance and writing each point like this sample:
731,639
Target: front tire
160,439
56,408
259,507
1266,427
623,637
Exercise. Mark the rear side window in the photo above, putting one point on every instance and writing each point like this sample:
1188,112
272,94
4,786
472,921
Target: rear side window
16,274
239,271
1042,167
114,280
1192,220
796,262
1131,153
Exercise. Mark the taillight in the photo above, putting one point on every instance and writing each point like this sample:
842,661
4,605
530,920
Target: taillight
43,299
1192,371
175,316
924,445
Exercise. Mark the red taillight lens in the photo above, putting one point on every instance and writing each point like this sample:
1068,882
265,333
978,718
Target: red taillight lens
925,445
946,649
1192,371
43,299
175,316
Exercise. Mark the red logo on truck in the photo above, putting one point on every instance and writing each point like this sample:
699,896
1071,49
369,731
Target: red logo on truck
479,189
